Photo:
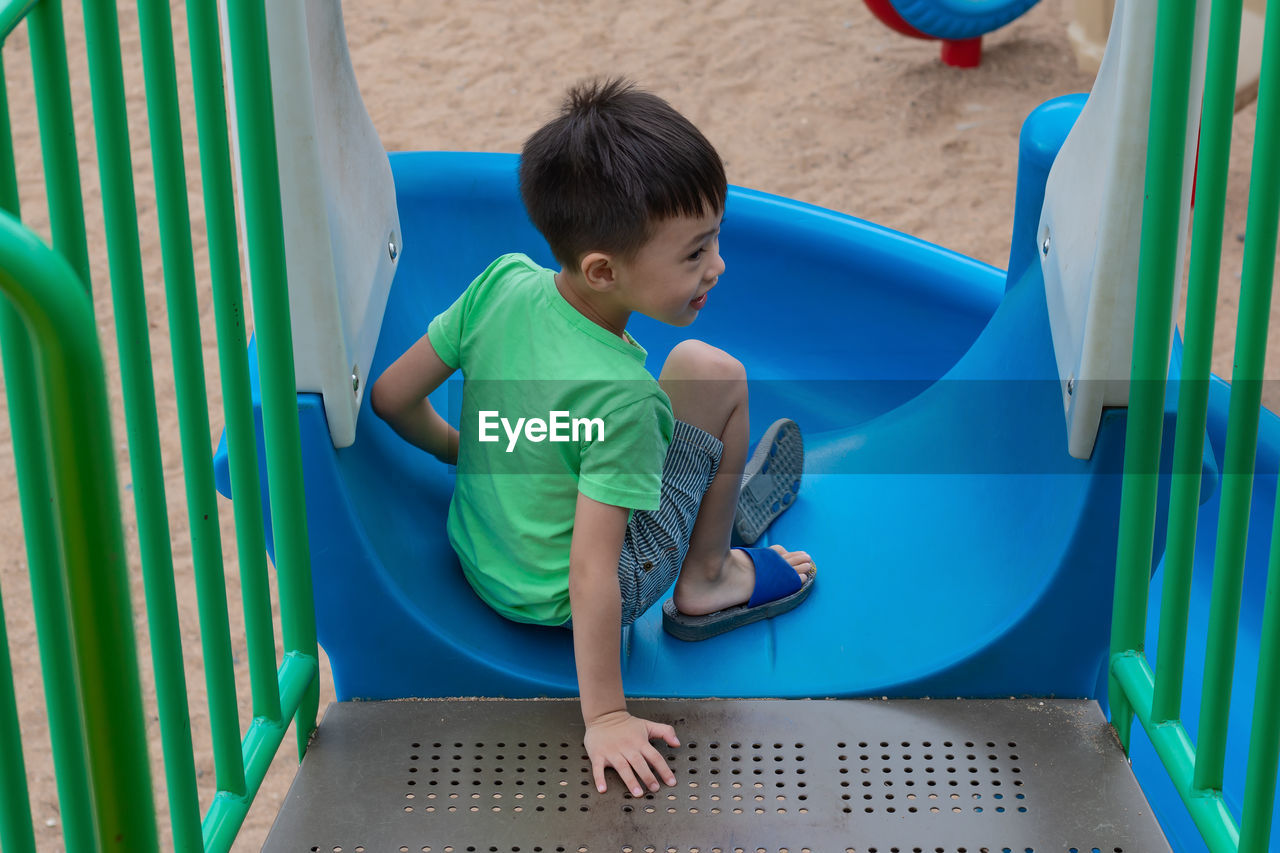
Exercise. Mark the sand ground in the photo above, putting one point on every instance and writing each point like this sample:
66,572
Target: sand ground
812,99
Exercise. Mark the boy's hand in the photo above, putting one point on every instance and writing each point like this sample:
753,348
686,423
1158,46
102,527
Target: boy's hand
621,741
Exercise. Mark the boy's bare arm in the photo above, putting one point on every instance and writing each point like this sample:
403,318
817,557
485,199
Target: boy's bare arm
614,738
399,397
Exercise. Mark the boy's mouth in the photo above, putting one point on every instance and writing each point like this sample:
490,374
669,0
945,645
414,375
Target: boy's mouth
699,302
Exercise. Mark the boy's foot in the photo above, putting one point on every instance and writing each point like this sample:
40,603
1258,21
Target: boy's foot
756,583
770,480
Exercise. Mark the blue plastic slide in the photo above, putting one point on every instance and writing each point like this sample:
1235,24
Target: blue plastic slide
963,551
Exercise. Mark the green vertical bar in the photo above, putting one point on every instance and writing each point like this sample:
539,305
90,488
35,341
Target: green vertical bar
1256,286
59,316
16,834
228,304
15,808
8,169
1264,739
1242,419
120,214
1166,137
188,368
265,233
1193,389
53,632
58,135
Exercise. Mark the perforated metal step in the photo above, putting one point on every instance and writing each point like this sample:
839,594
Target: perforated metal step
823,776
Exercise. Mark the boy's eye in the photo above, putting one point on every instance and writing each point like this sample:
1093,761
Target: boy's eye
707,244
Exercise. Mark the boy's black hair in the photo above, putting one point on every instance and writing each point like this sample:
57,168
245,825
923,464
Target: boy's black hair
615,161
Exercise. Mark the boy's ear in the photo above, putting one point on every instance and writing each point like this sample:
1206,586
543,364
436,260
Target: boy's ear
597,268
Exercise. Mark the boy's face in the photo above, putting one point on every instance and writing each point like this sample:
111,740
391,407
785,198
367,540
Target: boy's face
668,278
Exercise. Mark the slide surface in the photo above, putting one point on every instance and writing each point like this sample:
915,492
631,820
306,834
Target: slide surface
963,551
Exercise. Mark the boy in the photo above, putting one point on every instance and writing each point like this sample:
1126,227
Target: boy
597,522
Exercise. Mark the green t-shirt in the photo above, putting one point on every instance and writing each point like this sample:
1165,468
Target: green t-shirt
526,353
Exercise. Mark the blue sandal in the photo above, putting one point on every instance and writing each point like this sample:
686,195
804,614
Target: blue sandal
778,589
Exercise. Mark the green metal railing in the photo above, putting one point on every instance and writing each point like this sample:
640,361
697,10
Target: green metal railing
1197,769
64,455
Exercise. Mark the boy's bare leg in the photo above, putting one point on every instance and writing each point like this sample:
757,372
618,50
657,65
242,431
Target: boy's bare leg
708,389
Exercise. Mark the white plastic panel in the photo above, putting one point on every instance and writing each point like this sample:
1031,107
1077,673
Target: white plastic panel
1091,223
341,226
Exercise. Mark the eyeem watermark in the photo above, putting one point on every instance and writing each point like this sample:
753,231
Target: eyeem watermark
559,426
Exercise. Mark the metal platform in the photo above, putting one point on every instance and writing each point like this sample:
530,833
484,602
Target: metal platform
821,776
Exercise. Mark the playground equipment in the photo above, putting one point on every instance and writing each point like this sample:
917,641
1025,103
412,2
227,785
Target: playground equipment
939,418
958,24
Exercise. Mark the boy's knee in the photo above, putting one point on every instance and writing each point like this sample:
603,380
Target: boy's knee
699,360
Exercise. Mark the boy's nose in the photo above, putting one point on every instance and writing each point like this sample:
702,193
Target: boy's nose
717,269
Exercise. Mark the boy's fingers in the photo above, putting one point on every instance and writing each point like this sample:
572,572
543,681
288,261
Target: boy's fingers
640,761
597,771
660,766
621,765
667,733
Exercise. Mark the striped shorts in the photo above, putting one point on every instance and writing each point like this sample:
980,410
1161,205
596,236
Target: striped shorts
656,541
